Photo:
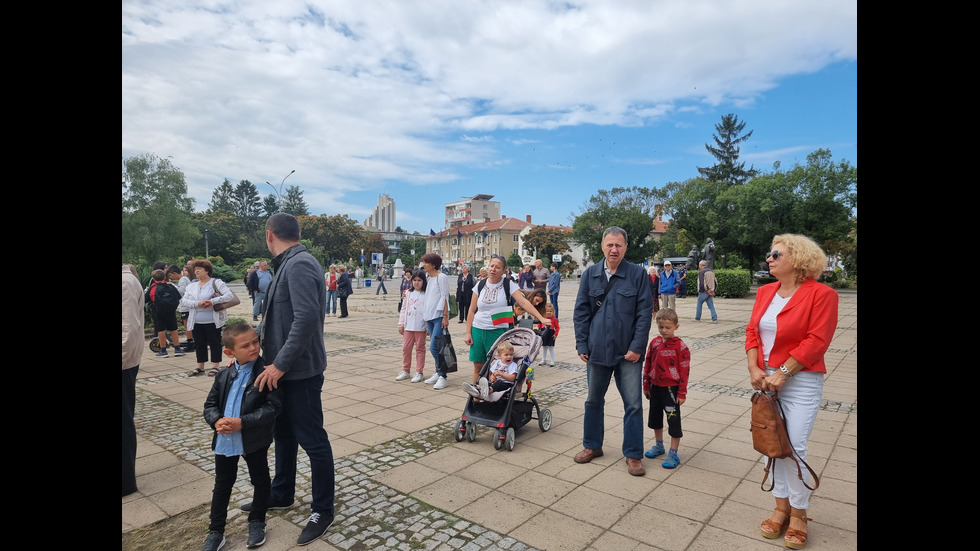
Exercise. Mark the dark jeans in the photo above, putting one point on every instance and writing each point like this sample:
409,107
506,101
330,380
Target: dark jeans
129,430
207,336
464,305
381,287
301,424
225,474
343,307
554,302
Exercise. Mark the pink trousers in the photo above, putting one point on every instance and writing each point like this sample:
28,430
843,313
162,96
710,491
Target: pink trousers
413,339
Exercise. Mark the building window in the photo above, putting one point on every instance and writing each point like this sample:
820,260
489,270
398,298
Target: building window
516,237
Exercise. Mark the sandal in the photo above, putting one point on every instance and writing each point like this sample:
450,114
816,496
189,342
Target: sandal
214,371
770,529
798,534
195,372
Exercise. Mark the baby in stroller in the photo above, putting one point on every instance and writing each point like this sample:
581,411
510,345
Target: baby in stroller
500,376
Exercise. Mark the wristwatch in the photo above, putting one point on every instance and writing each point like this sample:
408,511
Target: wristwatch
785,371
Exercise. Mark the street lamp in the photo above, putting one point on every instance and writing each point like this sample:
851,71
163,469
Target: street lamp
206,244
279,191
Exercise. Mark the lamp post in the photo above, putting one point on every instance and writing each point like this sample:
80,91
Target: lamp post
279,191
206,244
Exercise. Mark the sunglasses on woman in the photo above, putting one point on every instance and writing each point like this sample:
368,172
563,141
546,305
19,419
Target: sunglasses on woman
774,254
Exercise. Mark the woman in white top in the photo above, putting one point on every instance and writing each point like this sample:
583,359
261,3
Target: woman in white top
435,310
491,315
199,299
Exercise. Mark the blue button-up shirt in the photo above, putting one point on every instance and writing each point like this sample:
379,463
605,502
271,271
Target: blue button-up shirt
231,444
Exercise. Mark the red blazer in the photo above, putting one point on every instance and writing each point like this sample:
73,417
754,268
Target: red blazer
804,328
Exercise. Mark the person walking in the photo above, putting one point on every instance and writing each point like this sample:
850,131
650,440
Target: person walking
382,276
706,291
554,285
291,333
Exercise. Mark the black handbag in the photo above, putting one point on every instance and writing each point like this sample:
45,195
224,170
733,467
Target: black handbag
447,354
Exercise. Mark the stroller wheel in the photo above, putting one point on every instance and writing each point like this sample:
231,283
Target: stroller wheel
154,344
471,432
498,442
544,420
460,429
511,437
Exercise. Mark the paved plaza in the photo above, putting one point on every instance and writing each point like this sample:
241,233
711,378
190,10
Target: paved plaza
404,483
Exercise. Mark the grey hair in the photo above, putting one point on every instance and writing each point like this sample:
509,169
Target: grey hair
703,263
615,230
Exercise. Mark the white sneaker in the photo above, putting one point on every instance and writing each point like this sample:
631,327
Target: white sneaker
470,389
441,383
417,378
402,376
432,379
552,364
484,388
541,362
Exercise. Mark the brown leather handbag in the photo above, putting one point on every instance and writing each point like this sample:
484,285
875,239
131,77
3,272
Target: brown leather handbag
769,437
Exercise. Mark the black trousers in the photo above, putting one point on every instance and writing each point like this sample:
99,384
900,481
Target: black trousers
464,305
129,430
225,474
663,399
343,306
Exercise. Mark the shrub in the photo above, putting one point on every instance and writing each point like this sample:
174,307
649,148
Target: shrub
733,283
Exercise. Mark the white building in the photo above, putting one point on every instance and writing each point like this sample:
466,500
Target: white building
383,217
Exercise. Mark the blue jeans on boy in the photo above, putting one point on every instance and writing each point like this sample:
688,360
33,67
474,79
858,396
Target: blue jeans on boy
702,298
257,303
554,302
629,381
332,299
434,327
301,424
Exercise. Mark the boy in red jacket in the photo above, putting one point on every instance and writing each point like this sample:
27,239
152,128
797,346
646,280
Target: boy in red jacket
665,375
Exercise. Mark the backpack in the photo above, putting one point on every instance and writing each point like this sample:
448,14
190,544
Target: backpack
164,296
483,283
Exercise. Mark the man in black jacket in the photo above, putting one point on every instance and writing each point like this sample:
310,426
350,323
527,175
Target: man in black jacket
464,292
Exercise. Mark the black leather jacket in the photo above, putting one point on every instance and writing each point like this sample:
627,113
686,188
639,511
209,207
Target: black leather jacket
259,409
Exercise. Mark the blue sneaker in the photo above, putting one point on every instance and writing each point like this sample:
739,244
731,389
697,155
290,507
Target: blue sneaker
162,353
655,451
671,461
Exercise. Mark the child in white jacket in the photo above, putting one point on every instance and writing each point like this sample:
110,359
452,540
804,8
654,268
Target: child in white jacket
411,325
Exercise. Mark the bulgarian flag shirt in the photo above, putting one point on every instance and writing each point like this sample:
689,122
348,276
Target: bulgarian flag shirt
492,311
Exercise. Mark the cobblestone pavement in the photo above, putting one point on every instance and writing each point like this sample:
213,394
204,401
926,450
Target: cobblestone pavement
373,515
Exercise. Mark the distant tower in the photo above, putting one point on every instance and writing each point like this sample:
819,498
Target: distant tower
383,217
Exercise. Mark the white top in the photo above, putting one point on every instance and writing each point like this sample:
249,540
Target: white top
411,315
491,301
436,296
767,325
497,365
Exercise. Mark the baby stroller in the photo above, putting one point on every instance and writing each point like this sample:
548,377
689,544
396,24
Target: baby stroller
514,409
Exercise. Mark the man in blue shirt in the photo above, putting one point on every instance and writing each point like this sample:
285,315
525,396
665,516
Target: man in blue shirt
554,285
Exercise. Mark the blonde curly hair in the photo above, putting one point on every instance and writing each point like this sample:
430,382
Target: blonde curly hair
807,258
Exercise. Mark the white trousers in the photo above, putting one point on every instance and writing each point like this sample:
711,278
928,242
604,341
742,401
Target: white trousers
800,397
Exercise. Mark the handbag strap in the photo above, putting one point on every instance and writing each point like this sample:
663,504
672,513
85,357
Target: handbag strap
597,304
797,459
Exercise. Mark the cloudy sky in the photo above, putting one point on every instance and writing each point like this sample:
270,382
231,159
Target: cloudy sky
539,103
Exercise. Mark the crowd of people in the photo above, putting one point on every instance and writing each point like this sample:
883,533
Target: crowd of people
270,390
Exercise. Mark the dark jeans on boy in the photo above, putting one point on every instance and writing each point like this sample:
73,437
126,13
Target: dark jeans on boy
225,474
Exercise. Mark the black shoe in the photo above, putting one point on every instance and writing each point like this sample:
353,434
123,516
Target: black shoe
315,528
256,534
214,541
272,506
255,318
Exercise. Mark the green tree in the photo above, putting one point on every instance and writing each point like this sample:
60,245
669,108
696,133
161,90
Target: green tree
728,169
270,205
156,211
221,197
247,206
544,241
337,236
629,208
371,242
515,262
415,242
293,203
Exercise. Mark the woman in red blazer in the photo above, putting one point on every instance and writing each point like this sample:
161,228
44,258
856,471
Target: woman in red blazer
793,321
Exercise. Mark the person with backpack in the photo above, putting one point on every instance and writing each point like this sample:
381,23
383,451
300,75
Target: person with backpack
164,299
492,312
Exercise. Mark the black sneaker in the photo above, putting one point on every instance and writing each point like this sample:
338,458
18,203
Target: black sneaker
272,506
315,528
256,534
214,541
